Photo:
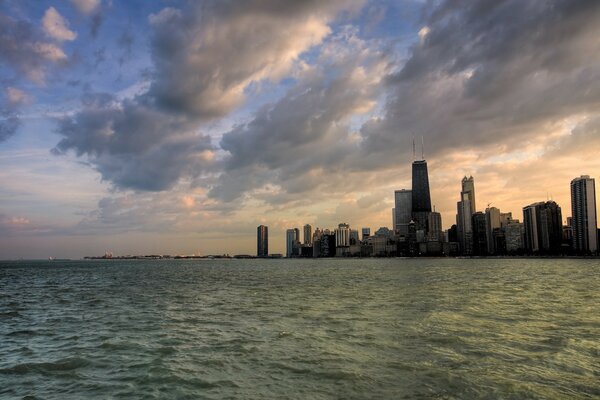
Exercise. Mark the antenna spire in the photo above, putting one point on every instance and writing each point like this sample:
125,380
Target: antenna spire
422,148
414,149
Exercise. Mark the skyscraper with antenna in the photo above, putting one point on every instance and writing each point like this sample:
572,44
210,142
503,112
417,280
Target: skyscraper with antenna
421,198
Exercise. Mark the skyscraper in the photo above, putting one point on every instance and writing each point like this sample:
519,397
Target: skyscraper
479,234
543,227
421,199
464,224
262,241
342,239
291,237
402,211
434,227
492,222
468,187
307,234
584,218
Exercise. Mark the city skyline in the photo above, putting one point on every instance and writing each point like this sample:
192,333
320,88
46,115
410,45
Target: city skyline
118,134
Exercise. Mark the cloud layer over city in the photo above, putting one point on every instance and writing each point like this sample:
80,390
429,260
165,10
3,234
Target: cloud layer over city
178,127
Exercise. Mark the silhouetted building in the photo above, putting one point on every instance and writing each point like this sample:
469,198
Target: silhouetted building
307,234
453,234
262,241
479,234
421,198
402,211
327,245
434,227
584,218
492,222
543,228
514,232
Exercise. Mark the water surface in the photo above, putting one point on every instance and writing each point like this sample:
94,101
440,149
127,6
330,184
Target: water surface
319,329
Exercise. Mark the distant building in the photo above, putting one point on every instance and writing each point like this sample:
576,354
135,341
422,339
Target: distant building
434,227
584,220
492,222
366,232
262,241
514,232
421,198
307,234
384,231
464,224
402,211
479,234
468,187
291,238
354,239
543,228
327,245
342,239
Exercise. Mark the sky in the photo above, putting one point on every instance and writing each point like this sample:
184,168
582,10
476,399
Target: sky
178,127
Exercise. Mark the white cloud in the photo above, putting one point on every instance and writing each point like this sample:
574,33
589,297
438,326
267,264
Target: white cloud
56,26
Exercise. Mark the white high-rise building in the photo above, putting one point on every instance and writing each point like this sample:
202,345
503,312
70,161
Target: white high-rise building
584,220
342,235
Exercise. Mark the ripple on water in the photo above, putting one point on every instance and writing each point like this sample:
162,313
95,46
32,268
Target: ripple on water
396,328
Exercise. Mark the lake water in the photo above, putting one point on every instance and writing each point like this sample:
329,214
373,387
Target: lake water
300,329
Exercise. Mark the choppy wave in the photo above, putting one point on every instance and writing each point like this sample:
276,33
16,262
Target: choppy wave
394,328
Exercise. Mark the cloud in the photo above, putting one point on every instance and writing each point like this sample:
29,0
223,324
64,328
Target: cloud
86,7
134,145
488,73
204,58
25,50
304,140
17,97
56,26
9,108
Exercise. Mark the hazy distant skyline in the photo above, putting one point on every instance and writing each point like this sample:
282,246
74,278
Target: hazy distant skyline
178,127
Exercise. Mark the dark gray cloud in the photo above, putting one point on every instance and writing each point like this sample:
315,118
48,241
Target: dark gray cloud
304,140
135,145
204,57
483,74
488,72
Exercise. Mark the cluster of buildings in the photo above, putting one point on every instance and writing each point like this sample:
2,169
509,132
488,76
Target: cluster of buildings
417,228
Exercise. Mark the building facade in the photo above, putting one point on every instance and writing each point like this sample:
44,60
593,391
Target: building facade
402,211
262,241
468,187
291,238
584,221
421,198
543,228
307,234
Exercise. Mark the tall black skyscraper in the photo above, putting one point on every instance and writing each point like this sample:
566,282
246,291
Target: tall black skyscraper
262,241
421,200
